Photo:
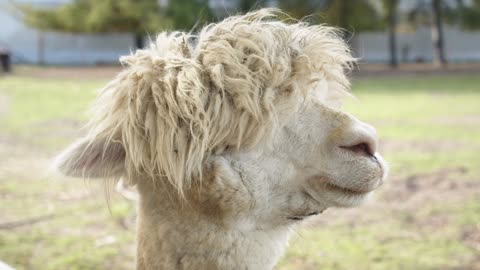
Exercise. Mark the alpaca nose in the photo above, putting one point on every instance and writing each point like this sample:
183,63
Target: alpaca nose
361,148
360,139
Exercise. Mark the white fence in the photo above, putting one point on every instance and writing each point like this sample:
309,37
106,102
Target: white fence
59,48
460,46
31,46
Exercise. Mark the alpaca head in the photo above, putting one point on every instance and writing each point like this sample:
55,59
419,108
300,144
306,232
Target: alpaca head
244,119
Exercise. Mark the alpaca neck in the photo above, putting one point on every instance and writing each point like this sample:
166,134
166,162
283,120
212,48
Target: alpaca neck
175,236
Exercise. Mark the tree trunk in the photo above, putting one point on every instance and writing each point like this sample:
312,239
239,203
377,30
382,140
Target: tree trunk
139,41
437,34
41,48
343,20
392,33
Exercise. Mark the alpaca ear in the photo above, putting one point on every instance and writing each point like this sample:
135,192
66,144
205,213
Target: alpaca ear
92,159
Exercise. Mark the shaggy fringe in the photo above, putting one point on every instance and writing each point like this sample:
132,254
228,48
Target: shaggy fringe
174,105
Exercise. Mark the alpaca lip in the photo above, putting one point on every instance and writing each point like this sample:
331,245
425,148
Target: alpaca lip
298,218
345,190
329,185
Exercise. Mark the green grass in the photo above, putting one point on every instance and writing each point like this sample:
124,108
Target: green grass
63,252
33,101
438,110
35,105
68,239
394,243
380,246
434,122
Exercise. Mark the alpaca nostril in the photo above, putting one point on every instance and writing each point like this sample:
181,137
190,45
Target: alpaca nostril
363,148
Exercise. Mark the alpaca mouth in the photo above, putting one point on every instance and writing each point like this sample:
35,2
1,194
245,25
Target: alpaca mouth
302,217
328,185
349,191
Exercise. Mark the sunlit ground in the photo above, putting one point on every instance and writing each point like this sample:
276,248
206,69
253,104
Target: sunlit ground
427,215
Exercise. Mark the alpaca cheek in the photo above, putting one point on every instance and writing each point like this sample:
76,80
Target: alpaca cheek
221,196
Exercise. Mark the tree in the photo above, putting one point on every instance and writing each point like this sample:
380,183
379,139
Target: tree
186,14
465,13
247,5
437,34
468,16
390,9
353,16
91,16
302,8
358,15
431,13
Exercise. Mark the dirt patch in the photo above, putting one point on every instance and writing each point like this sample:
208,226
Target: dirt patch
424,146
471,237
461,120
20,160
80,73
418,189
363,70
64,128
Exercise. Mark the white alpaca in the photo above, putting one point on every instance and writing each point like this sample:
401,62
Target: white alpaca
231,136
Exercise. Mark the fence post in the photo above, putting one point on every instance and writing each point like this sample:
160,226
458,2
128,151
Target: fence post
5,60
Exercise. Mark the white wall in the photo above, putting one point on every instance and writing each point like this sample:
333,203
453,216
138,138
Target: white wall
460,46
59,48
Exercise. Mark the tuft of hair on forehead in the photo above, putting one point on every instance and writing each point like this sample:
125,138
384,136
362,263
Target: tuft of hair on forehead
175,104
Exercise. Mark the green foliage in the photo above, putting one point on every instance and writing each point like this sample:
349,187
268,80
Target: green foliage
91,16
463,13
302,8
185,14
248,5
468,16
355,16
359,15
389,8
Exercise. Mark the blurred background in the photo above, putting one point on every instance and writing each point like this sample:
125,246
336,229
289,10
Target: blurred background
417,82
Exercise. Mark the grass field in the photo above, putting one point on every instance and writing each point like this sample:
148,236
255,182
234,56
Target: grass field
427,215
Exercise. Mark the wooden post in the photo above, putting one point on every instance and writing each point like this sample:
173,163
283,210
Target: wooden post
437,34
41,48
5,60
392,32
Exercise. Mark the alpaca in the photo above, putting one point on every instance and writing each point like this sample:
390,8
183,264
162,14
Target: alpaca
232,137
